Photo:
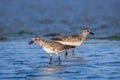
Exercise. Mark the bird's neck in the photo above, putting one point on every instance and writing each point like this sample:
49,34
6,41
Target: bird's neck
41,42
84,34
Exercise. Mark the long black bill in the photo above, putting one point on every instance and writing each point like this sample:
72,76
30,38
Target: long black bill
91,33
30,42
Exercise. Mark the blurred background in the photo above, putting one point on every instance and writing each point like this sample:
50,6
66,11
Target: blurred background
97,59
50,18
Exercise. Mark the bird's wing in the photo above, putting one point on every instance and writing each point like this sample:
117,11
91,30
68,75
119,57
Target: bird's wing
67,38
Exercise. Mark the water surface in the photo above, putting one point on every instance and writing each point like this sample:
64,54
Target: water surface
94,60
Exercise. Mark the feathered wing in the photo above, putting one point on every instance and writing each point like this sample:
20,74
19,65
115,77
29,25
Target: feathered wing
69,38
55,47
57,44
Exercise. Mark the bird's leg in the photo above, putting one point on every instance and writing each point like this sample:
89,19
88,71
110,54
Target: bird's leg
50,59
66,53
58,58
73,52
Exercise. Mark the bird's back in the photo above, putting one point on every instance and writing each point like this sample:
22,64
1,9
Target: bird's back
74,40
69,38
55,47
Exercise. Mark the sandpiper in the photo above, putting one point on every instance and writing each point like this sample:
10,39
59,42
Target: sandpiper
50,47
74,40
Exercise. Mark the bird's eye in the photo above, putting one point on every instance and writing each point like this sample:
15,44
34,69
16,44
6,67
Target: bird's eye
35,39
87,30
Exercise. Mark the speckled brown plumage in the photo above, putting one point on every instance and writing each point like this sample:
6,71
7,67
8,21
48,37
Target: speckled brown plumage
51,47
73,40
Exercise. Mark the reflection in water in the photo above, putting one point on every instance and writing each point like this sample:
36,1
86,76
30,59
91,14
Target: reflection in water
49,78
52,69
69,62
77,59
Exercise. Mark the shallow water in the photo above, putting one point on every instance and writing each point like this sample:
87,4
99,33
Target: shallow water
93,60
96,59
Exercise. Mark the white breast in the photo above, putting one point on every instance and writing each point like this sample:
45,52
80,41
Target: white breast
49,50
71,43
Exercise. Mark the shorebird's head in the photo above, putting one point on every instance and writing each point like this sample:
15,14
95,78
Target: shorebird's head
35,40
86,31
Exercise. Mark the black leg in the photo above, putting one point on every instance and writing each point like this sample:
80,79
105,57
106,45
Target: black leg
59,59
66,53
73,52
50,60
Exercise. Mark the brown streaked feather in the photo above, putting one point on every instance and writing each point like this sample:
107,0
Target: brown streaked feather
56,45
69,38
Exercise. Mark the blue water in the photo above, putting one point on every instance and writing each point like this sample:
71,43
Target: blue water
94,60
98,58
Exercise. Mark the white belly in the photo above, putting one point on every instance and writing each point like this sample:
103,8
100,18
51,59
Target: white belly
51,51
71,43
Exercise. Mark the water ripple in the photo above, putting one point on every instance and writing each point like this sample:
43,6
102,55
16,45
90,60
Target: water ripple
24,62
